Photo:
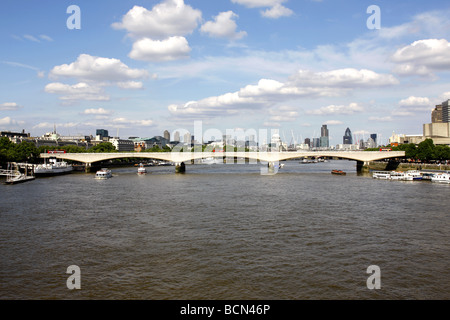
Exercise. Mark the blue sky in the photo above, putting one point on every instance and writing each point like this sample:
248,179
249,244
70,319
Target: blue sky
142,67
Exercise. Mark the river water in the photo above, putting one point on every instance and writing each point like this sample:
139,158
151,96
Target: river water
225,232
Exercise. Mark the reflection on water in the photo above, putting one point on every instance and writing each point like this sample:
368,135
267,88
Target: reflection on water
225,232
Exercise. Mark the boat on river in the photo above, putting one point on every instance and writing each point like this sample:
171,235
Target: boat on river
441,178
411,175
381,175
338,172
52,168
103,174
141,170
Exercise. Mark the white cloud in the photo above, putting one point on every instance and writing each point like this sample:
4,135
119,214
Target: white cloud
45,37
79,91
173,48
99,111
343,78
168,18
124,123
9,106
416,103
333,122
268,92
43,125
276,12
92,68
130,85
223,26
423,57
337,109
8,121
31,38
283,114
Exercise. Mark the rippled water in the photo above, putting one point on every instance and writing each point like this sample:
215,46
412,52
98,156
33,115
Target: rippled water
225,232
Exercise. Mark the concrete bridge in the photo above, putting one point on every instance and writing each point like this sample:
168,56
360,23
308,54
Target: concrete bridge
362,157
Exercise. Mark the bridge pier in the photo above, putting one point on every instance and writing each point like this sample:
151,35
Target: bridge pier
180,167
362,166
88,167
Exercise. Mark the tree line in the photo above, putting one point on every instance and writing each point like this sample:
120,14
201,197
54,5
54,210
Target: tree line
425,151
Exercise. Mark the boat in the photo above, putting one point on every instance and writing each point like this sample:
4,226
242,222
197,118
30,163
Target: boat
212,160
338,172
398,175
381,175
103,174
411,175
141,170
53,167
441,178
427,175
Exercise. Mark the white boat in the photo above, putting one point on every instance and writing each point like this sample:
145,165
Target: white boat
411,175
212,160
441,177
53,167
398,175
141,170
103,174
427,175
381,175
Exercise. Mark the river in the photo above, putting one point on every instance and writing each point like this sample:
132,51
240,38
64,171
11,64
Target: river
225,232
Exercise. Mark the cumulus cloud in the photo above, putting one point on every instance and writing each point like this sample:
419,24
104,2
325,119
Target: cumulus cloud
8,121
423,57
173,48
124,123
416,103
268,92
223,26
275,11
93,68
333,122
337,109
283,114
9,106
168,18
99,111
79,91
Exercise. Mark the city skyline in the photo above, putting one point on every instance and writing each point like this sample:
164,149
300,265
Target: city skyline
288,65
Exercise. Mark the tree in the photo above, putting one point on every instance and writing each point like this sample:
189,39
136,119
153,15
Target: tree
103,147
425,150
442,152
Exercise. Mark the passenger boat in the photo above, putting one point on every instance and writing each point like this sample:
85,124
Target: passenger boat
441,177
411,175
103,174
338,172
398,175
381,175
427,175
141,170
53,167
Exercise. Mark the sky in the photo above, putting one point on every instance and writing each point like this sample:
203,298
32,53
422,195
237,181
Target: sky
137,68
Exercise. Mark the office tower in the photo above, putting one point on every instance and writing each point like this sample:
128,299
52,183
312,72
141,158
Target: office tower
446,111
176,136
102,133
347,139
167,135
324,139
308,142
436,114
374,138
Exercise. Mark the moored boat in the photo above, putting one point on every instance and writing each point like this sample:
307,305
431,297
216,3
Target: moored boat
441,177
338,172
413,175
398,175
53,167
381,175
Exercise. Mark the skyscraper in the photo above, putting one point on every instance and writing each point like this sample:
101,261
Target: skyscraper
324,139
176,136
347,139
167,135
446,111
374,138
